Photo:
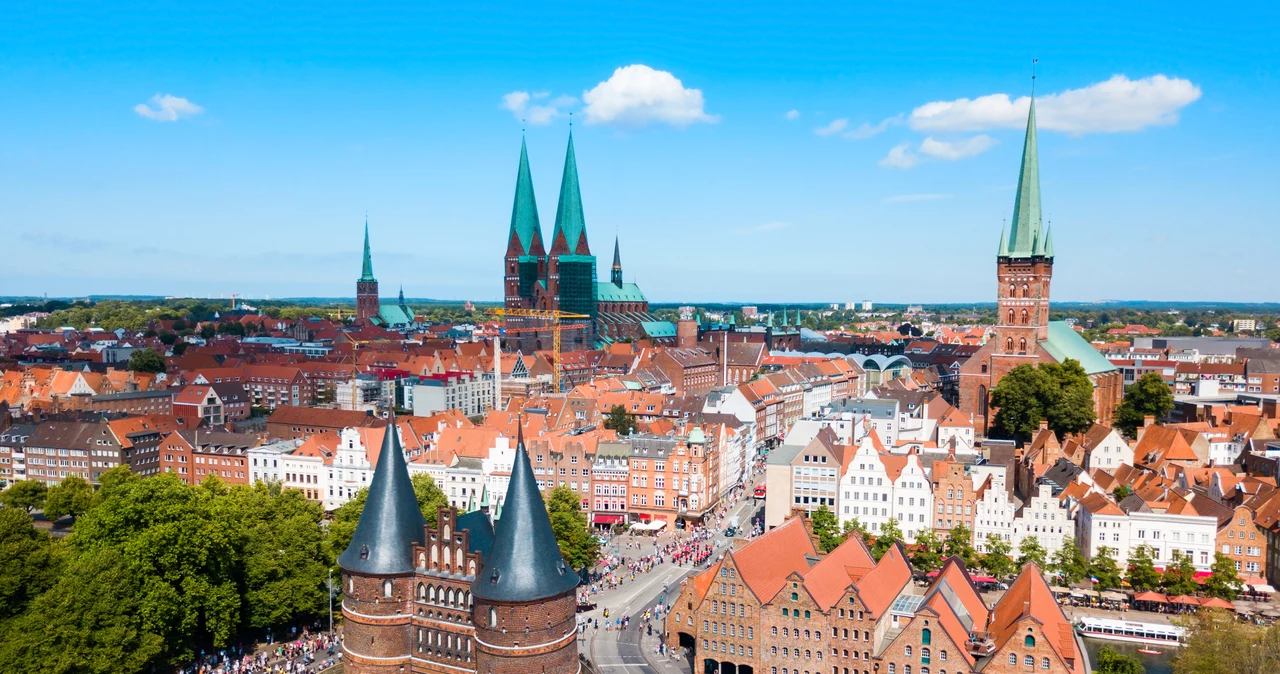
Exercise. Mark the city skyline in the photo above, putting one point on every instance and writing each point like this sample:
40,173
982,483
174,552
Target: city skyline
250,145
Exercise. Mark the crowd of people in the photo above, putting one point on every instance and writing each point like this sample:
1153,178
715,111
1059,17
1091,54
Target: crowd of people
305,654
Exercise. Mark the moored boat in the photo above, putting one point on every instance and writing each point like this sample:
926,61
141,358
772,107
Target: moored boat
1146,634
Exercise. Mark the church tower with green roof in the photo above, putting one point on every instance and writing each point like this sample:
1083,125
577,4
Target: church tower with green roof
367,285
571,268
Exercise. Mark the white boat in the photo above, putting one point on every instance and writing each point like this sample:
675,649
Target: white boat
1132,632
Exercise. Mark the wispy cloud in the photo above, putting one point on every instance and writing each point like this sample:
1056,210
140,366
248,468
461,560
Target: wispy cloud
792,115
522,106
956,150
836,126
900,157
908,198
1112,106
637,95
167,108
860,132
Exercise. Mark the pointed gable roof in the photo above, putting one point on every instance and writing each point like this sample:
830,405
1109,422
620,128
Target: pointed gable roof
525,227
766,562
882,584
391,520
1029,596
366,271
1025,237
525,563
836,572
569,219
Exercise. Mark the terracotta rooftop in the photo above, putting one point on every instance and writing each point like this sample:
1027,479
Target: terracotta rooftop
766,562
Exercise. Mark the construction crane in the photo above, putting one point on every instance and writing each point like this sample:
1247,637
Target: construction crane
553,318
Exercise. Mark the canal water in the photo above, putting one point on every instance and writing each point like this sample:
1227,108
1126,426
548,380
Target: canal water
1155,664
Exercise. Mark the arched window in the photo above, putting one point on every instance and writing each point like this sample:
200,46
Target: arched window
926,636
493,620
422,592
1029,661
1029,642
1024,291
351,585
1011,290
1013,659
446,558
1044,663
386,588
1011,317
422,559
1009,344
1026,317
1022,344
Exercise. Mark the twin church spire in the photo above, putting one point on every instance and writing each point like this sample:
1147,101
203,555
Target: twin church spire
569,235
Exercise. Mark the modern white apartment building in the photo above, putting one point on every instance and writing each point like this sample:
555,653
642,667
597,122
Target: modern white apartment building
1166,526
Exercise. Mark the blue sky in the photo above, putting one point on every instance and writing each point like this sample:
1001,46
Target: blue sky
235,147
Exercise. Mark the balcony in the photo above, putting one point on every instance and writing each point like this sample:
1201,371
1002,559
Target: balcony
980,644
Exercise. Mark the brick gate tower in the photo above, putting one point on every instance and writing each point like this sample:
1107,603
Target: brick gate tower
378,570
524,595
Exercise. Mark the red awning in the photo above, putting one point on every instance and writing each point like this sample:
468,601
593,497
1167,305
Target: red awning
607,519
984,579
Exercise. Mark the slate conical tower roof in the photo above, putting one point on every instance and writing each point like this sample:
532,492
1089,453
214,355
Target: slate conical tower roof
525,227
569,219
391,520
366,272
1026,235
524,564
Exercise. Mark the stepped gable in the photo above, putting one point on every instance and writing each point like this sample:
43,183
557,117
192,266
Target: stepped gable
525,563
391,521
765,563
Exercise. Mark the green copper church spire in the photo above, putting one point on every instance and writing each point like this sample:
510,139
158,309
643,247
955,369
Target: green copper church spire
366,273
1026,235
524,212
569,220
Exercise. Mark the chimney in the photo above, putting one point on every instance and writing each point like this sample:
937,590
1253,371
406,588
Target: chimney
1148,420
1044,424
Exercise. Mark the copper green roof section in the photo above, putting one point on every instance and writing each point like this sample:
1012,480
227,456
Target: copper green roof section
366,272
1064,342
569,220
611,292
524,212
1025,235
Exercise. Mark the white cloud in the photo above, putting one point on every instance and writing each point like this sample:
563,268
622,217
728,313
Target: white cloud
904,156
900,157
836,126
518,102
907,198
167,108
636,95
1116,105
954,151
792,115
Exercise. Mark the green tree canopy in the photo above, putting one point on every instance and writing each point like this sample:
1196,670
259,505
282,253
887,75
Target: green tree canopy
1058,392
1104,568
1150,395
1218,644
429,495
853,526
618,420
1223,581
26,494
1180,576
959,543
826,528
72,496
29,562
1069,562
1030,551
996,560
146,360
285,566
889,534
928,551
1142,569
578,545
1112,662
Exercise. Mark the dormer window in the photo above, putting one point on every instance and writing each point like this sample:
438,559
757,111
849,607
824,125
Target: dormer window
364,552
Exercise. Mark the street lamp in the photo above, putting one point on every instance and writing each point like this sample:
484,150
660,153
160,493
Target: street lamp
330,583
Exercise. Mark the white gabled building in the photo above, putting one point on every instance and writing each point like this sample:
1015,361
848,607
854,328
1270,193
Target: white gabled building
1167,525
866,488
993,513
1104,448
912,496
1045,517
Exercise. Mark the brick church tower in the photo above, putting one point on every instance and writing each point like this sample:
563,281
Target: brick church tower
367,285
524,596
1024,268
525,261
378,570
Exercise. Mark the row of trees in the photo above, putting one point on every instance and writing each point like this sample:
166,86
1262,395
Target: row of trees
157,571
1000,560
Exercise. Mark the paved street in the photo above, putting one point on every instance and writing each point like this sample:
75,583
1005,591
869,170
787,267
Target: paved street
633,650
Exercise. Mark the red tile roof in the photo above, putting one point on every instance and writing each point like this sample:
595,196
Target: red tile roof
766,562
